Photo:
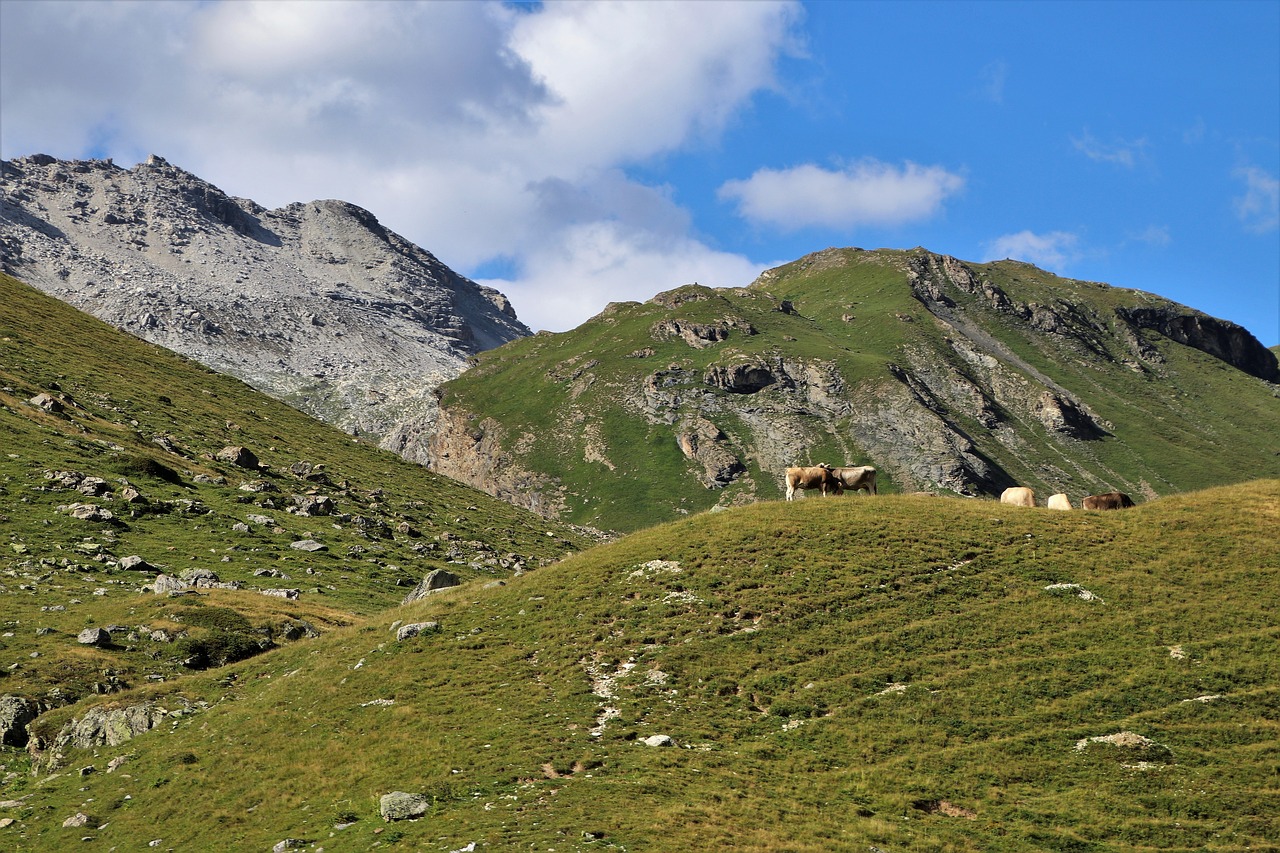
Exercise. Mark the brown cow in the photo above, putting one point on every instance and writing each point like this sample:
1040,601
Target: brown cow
1110,500
1018,496
862,477
814,477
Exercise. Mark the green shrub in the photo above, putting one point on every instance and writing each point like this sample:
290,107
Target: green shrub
218,648
140,465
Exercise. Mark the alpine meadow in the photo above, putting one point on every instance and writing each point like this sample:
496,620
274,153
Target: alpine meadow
899,672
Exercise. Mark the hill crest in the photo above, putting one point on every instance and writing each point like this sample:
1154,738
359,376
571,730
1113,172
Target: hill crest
948,376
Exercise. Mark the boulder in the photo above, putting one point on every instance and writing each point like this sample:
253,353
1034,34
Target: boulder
291,594
88,512
46,402
99,727
314,504
308,545
241,457
134,563
131,495
435,580
200,577
399,805
165,585
93,486
406,631
94,637
659,740
16,713
76,820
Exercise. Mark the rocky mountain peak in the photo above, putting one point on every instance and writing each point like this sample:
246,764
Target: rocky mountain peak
316,303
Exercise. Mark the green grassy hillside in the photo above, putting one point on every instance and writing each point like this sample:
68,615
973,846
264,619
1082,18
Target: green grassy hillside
943,394
135,415
901,674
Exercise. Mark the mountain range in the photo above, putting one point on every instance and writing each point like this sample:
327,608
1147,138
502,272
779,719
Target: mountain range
949,377
226,623
314,303
211,635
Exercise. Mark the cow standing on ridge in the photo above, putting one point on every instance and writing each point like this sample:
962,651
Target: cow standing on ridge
813,477
852,479
1018,496
1110,500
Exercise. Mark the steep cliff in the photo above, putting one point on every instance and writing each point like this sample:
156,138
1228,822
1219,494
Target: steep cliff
317,303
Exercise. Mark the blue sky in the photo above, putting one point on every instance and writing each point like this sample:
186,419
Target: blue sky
573,154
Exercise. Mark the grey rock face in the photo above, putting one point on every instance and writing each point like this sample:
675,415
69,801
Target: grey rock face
165,584
16,713
317,304
405,632
98,727
134,563
94,637
399,805
241,457
436,579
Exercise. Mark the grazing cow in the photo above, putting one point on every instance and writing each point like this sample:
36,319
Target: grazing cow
862,477
1018,496
1111,500
814,477
1059,501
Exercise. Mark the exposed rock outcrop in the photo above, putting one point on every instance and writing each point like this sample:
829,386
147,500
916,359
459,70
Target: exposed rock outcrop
101,726
16,713
317,303
1219,338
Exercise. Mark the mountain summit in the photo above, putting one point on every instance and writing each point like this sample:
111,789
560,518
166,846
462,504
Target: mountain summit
948,376
317,304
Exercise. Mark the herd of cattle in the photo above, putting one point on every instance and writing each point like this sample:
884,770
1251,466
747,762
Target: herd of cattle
836,480
1022,496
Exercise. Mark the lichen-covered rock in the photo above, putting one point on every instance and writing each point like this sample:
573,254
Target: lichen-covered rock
404,632
166,584
399,805
87,512
16,713
94,637
100,726
134,563
241,457
435,580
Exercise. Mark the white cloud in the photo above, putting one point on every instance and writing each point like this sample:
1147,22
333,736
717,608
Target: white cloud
1153,235
634,79
600,262
991,80
477,130
1052,251
1122,152
1259,206
867,193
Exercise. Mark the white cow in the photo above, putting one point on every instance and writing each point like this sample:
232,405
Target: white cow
1018,496
862,477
